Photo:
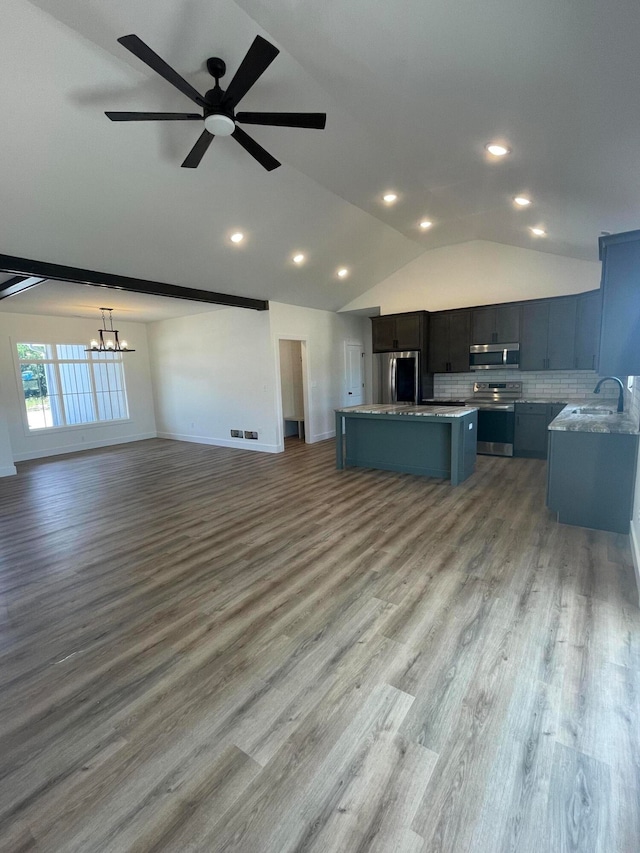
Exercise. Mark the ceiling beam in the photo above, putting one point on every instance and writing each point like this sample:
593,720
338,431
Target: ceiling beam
23,267
18,284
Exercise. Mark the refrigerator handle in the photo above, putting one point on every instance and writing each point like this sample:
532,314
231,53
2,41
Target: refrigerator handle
416,380
393,366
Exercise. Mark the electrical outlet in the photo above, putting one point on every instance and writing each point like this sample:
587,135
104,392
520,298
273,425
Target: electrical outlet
236,433
250,434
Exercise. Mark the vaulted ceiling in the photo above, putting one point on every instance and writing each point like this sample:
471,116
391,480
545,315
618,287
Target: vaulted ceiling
412,90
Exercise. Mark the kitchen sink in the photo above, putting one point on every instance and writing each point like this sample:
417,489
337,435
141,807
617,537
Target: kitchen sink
586,410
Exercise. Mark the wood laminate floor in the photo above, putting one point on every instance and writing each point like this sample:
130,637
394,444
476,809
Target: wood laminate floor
204,649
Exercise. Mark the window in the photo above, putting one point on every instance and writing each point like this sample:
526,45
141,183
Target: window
64,386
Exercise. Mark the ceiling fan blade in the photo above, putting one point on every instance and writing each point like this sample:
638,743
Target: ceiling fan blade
310,120
258,58
150,58
263,157
153,116
196,154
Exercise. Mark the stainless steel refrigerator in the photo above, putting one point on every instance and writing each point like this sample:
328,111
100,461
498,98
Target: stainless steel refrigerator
398,377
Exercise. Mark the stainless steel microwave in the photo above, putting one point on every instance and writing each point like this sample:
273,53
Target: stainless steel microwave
494,356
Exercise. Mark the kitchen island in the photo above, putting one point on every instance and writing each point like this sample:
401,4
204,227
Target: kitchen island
432,441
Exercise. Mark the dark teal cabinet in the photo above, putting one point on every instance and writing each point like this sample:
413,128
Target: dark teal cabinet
531,435
620,334
590,478
394,332
560,333
588,330
534,337
497,324
449,333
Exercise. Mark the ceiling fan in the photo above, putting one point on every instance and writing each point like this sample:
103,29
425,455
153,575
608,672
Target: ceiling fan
218,105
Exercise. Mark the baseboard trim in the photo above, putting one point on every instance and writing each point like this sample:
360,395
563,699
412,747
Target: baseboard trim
77,448
635,553
235,443
322,436
8,471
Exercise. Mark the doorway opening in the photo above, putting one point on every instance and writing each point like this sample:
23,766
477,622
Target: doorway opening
292,391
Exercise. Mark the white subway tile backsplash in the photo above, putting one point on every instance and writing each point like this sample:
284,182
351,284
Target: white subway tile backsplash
572,384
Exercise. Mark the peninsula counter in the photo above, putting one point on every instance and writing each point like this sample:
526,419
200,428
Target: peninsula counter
433,441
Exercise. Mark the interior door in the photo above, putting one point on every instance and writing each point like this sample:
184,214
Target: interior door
354,378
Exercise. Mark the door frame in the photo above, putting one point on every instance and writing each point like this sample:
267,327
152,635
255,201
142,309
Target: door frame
304,352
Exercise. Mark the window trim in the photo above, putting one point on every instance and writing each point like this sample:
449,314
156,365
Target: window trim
67,427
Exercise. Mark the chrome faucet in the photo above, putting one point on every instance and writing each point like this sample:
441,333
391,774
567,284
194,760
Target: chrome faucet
596,390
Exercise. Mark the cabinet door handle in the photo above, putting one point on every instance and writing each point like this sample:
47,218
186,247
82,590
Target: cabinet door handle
593,362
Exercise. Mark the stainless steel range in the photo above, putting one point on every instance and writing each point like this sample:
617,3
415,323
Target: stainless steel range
495,402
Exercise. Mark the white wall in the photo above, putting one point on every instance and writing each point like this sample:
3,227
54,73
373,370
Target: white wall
325,334
477,273
6,454
212,373
33,328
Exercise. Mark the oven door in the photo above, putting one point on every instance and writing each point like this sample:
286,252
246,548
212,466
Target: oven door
496,426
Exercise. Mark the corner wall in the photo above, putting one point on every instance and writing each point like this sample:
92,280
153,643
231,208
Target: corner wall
212,373
326,334
15,328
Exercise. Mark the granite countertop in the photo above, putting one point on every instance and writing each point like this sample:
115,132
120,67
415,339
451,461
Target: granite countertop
557,400
405,409
618,422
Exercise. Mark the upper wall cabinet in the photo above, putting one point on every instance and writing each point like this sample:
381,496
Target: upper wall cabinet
499,324
394,332
588,330
620,332
449,335
560,333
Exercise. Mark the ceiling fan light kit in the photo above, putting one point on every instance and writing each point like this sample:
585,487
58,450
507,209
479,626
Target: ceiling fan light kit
218,105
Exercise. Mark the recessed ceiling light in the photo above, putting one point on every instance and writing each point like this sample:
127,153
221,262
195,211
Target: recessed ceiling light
522,201
539,232
389,198
343,272
496,149
299,258
238,237
426,224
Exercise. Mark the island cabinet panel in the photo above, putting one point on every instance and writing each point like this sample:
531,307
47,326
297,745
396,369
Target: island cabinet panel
394,332
620,334
498,324
449,333
588,331
393,439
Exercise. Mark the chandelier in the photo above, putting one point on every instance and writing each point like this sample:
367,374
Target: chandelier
109,340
